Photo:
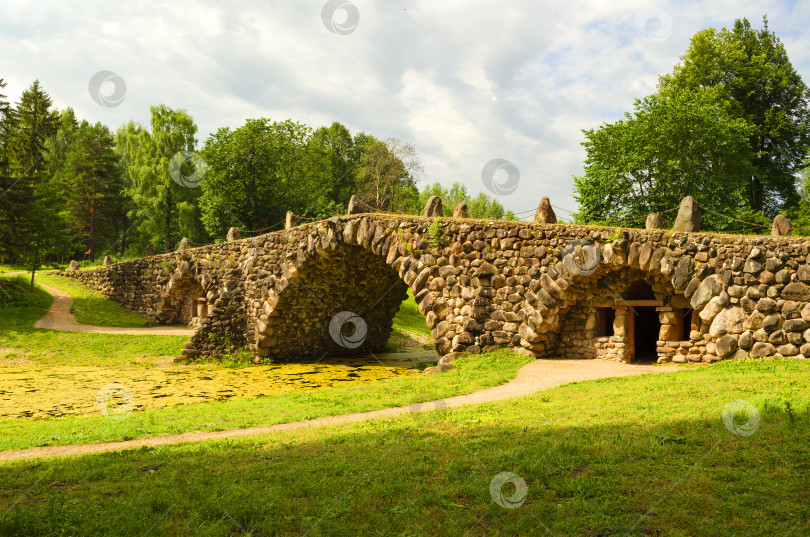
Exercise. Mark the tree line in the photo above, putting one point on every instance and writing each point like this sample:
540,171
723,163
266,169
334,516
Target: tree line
730,126
73,189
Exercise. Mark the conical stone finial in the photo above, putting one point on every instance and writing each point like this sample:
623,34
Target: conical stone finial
545,213
689,215
433,207
461,210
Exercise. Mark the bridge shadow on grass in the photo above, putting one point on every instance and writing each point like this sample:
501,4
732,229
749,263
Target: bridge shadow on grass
597,458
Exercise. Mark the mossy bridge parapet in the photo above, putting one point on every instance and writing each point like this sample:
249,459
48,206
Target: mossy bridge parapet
332,287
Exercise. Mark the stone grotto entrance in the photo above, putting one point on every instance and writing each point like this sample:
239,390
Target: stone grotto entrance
644,333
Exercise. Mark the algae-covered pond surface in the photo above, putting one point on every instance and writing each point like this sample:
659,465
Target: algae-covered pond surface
35,391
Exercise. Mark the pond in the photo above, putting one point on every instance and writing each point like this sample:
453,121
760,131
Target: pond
36,391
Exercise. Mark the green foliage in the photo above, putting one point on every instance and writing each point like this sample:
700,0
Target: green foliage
480,206
434,232
667,149
752,77
157,199
729,126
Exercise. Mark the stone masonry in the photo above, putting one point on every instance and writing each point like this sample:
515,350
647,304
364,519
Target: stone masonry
332,287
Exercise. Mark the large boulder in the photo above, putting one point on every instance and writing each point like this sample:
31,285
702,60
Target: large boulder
781,226
184,245
689,215
796,291
107,260
725,346
545,213
761,349
355,205
653,221
433,207
728,321
73,266
233,234
460,211
708,288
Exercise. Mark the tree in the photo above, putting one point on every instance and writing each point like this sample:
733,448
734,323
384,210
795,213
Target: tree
160,203
334,157
670,147
32,224
92,170
32,124
256,174
750,70
388,170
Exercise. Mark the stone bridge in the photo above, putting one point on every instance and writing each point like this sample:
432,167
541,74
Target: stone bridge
333,287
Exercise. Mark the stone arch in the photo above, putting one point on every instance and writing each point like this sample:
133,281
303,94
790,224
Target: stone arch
564,307
184,301
338,295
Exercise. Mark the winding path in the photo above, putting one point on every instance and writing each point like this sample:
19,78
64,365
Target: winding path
531,378
60,318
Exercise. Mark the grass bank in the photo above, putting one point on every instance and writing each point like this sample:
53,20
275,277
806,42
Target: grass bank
646,455
19,340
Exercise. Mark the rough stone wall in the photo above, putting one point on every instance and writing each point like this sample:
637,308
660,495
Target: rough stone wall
481,285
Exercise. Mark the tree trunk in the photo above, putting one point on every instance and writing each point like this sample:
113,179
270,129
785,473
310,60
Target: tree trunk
33,270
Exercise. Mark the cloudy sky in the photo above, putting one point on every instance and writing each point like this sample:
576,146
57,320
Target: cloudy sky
465,81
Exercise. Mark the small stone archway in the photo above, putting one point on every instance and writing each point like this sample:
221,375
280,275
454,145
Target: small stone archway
185,302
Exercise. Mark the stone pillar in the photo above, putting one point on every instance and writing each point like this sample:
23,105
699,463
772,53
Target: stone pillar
233,234
689,215
653,221
183,245
150,250
290,220
107,260
781,226
622,336
355,205
74,266
461,210
669,324
545,213
433,207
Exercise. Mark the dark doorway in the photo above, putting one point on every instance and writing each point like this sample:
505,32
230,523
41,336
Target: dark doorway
645,333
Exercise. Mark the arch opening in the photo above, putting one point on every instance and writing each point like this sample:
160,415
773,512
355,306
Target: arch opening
342,303
616,314
185,303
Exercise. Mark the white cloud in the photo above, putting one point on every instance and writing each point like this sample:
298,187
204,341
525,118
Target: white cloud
465,81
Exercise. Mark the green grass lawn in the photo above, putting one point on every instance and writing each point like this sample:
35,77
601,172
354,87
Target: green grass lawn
20,340
645,455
